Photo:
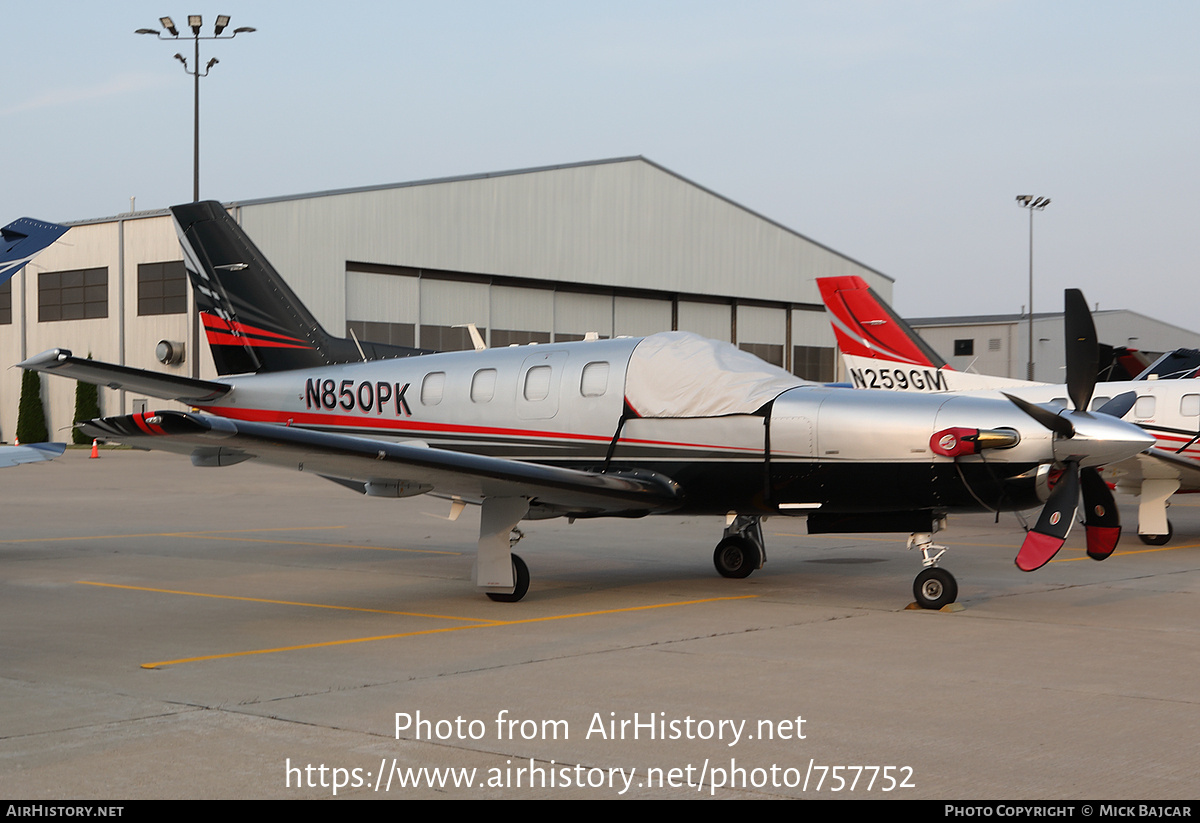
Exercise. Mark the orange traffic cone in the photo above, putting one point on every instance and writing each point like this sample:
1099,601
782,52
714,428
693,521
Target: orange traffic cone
16,441
95,449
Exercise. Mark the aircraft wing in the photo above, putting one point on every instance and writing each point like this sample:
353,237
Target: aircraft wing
384,468
33,453
155,384
1158,464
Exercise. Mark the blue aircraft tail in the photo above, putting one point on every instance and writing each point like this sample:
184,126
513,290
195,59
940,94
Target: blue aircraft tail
22,240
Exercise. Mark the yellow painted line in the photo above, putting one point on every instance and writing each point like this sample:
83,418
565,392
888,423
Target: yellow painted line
167,534
278,602
326,545
957,543
219,535
480,625
1132,551
892,540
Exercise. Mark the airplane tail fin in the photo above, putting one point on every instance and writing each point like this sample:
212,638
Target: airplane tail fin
22,240
867,327
253,321
881,351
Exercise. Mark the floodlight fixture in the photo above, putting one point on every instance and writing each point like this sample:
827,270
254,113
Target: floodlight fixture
196,22
1028,201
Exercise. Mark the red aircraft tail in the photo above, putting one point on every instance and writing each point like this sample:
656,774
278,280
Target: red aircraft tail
866,326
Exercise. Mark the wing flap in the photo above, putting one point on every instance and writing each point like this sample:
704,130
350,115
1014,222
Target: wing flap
404,465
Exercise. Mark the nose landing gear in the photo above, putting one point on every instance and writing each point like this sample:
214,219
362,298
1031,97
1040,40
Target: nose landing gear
934,587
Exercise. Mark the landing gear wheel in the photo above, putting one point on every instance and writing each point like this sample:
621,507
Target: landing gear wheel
736,557
520,578
935,587
1158,539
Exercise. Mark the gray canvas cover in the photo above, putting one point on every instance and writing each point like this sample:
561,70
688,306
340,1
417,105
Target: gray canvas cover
680,374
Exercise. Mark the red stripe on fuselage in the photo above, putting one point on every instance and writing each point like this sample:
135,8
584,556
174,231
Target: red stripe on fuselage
415,427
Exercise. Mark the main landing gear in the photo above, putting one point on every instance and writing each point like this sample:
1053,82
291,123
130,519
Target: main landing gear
520,583
1158,539
500,574
934,587
742,550
1153,499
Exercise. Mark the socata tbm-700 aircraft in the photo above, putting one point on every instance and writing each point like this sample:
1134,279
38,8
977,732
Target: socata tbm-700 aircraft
669,423
881,350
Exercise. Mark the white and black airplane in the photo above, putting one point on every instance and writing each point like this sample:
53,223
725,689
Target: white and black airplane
668,423
882,351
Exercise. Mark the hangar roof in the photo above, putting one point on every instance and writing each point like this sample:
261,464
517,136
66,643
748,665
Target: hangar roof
536,170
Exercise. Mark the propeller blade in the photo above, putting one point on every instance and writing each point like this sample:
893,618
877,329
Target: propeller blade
1120,405
1045,539
1053,422
1082,349
1101,520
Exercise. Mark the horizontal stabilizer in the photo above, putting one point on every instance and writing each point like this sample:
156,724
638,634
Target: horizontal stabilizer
32,453
155,384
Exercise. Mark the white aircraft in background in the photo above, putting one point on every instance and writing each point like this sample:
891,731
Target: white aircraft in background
882,351
669,423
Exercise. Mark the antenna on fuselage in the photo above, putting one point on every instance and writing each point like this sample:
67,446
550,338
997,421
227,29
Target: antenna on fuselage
476,337
358,345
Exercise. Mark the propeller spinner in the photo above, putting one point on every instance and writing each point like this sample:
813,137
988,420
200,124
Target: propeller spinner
1084,440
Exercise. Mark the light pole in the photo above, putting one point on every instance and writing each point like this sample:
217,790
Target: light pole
1028,201
195,23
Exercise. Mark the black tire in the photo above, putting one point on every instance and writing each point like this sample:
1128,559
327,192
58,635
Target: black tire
1158,539
736,557
520,578
934,588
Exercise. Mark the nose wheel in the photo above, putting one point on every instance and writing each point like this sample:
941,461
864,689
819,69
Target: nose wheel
934,588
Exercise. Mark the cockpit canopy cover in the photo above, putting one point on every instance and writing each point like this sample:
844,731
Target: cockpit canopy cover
680,374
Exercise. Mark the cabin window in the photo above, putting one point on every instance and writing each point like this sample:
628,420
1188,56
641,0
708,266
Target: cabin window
594,382
537,383
1189,405
432,387
483,386
1061,401
1144,407
1099,401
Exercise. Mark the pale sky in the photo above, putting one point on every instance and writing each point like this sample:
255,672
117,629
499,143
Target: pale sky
898,133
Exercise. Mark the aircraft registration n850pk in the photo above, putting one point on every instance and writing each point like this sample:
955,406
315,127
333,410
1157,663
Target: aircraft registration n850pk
669,423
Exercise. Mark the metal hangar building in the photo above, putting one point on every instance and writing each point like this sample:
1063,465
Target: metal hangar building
532,256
